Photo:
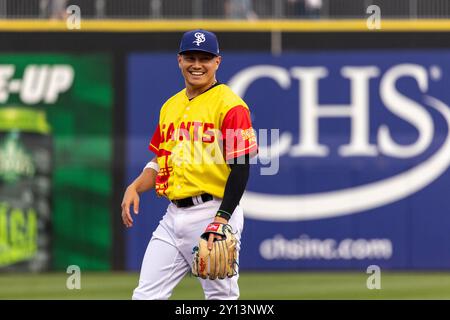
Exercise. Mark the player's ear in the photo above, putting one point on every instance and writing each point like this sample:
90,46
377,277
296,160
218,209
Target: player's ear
179,58
218,61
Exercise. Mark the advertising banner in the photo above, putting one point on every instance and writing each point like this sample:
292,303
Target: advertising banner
353,156
55,161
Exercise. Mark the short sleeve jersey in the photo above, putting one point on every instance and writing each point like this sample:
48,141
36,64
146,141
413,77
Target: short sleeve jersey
196,138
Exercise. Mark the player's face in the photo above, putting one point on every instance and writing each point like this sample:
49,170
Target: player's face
198,68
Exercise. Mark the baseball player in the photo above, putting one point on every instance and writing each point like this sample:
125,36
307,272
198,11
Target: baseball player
202,146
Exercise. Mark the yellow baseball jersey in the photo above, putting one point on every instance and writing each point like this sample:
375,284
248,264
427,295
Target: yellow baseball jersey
195,138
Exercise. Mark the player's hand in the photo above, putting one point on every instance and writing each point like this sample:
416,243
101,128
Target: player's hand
213,236
131,197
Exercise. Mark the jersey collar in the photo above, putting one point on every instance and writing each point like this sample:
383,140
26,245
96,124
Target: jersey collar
213,86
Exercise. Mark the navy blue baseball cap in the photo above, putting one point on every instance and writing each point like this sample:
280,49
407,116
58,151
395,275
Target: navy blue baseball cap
199,40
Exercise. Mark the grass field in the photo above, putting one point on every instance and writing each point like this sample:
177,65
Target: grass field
254,285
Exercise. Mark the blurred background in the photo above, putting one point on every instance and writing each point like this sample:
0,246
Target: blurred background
225,9
350,101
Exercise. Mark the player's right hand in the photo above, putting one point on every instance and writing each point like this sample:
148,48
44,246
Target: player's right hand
131,197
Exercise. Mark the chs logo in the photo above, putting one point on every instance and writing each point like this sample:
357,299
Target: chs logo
371,195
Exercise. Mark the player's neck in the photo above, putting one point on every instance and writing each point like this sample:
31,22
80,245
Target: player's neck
192,92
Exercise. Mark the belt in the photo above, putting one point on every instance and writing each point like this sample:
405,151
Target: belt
192,201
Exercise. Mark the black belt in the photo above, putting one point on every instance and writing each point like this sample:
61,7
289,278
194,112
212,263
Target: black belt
192,201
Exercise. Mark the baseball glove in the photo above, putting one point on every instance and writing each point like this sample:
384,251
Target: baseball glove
219,262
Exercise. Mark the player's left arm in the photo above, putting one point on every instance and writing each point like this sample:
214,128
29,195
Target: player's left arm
239,146
234,189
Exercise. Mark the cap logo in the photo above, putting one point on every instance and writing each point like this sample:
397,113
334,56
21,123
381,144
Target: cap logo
199,38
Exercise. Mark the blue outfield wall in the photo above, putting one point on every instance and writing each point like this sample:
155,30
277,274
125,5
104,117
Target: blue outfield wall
359,153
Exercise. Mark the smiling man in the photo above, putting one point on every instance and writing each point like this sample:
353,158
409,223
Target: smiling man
199,71
203,143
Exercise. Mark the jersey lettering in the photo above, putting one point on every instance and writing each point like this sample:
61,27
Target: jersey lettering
195,138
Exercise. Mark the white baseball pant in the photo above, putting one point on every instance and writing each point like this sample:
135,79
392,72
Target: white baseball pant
169,254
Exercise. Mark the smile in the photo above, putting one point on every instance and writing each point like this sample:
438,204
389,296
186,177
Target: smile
196,73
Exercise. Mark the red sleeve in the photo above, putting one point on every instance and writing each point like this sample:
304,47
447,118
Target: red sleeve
154,143
238,134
